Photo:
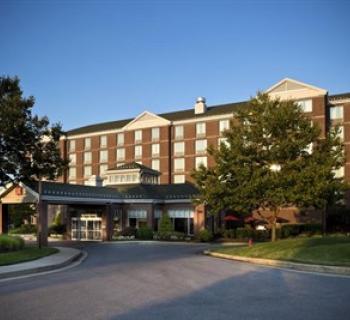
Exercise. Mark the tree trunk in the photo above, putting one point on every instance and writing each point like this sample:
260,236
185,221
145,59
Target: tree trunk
324,221
273,226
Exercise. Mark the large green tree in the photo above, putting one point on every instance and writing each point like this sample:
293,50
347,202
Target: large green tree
29,146
273,157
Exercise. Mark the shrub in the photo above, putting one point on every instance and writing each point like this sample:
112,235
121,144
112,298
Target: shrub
57,229
128,232
144,233
165,227
205,235
24,229
293,230
248,233
10,243
230,233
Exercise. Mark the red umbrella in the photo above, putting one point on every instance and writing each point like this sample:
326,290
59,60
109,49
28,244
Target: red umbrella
231,218
249,219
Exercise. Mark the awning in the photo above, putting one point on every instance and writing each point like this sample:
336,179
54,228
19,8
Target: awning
231,217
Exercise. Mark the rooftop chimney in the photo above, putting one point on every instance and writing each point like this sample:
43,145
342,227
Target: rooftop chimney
200,106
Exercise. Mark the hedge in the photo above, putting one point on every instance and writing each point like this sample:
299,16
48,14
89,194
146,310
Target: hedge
24,229
144,233
10,243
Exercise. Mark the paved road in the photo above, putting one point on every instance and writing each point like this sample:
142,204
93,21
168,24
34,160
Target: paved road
157,281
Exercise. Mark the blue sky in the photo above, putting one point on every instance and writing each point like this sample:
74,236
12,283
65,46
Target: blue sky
94,61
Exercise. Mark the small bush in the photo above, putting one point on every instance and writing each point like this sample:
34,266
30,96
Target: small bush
205,235
10,243
248,233
24,229
165,227
57,229
230,233
128,232
144,233
293,230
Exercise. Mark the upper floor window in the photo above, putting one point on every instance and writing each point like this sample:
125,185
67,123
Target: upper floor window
138,152
155,150
336,112
138,136
305,105
87,171
179,132
179,178
155,134
120,139
103,169
87,157
103,156
156,164
72,173
120,154
87,143
201,146
179,165
200,129
103,141
179,148
224,125
72,159
201,161
71,146
223,141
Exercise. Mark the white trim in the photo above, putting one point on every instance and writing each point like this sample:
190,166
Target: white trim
322,91
159,122
202,119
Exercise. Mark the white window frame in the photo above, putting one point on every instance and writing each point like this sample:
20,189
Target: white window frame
200,129
87,144
305,105
198,144
179,178
179,148
72,173
88,157
155,134
199,160
73,159
179,165
120,139
103,168
224,125
85,174
155,150
138,136
120,154
336,113
156,164
138,152
103,141
179,132
103,158
71,146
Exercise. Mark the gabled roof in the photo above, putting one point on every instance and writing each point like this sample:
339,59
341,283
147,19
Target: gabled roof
134,165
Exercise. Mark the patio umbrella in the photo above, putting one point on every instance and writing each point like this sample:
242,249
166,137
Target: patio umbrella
250,219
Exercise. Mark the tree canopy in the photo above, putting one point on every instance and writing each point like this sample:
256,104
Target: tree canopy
273,157
29,146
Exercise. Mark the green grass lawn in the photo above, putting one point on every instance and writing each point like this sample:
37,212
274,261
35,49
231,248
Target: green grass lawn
324,251
26,254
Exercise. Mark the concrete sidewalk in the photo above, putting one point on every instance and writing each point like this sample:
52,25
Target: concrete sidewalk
64,257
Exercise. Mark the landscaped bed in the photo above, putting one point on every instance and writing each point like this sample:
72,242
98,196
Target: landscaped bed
334,251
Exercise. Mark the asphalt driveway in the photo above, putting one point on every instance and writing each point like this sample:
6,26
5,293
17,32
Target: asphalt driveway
171,281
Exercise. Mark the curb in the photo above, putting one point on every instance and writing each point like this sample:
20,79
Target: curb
345,271
19,273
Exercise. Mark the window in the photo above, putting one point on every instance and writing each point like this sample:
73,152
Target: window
224,141
201,146
339,173
87,171
336,112
155,150
200,129
305,105
179,148
340,133
103,156
103,141
120,139
179,165
72,173
155,134
87,157
138,152
72,159
87,143
224,125
179,178
103,169
179,132
71,145
138,136
155,164
201,161
120,154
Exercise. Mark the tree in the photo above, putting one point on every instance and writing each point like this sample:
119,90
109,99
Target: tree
29,147
274,157
165,227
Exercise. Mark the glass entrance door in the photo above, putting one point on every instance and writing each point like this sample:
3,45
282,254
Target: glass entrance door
86,227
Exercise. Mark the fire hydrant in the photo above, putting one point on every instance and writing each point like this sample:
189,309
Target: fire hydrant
250,242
